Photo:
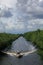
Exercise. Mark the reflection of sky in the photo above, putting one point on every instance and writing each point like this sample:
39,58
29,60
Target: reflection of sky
21,45
17,16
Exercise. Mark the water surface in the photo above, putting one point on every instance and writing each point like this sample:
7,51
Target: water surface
21,45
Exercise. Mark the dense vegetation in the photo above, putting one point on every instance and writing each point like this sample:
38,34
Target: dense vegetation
36,37
6,39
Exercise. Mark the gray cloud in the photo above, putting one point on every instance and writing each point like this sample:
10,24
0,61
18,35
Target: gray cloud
22,2
27,16
5,13
41,4
31,8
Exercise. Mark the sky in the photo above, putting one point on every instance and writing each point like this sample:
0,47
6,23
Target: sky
19,16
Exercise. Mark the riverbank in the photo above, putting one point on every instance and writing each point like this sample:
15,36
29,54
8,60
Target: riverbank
7,39
36,37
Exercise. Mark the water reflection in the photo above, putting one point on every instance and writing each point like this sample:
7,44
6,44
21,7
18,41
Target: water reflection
31,59
21,45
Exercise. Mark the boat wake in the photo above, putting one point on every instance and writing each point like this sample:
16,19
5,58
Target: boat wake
21,53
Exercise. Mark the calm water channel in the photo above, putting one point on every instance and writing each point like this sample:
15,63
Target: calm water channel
21,45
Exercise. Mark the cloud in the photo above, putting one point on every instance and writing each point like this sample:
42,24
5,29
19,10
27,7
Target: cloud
11,27
5,12
21,15
22,2
30,10
8,3
16,26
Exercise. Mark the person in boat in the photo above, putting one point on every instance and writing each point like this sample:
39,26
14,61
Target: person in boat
19,54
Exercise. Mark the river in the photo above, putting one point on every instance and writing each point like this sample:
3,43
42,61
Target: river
24,46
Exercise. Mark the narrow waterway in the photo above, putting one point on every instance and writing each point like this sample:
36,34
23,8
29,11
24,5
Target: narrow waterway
21,45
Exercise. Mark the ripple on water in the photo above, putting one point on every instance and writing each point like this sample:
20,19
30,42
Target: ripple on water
21,45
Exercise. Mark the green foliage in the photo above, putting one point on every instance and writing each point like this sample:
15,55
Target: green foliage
6,39
40,52
36,37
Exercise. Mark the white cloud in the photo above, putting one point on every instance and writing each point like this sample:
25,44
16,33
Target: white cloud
16,26
9,25
19,26
8,3
26,15
40,0
29,27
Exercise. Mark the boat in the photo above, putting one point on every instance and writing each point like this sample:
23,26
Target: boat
19,55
